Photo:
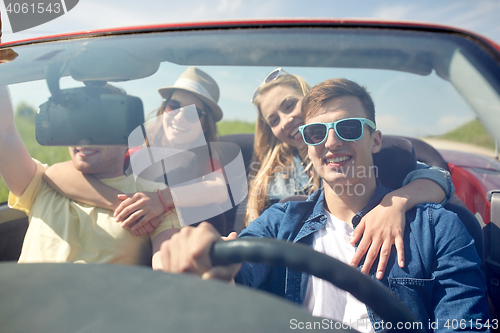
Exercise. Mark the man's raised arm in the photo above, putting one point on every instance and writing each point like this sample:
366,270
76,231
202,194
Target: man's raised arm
16,166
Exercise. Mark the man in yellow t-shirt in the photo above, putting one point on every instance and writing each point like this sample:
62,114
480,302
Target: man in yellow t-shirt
63,230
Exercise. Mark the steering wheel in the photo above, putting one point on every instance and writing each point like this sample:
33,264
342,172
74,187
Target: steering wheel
304,259
117,298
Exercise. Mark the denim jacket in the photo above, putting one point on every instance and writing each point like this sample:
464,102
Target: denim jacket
441,280
295,180
437,175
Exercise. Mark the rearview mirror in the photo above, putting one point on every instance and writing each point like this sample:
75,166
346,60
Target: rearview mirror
88,116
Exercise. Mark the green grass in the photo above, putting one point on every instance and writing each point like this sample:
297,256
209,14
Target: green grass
233,127
4,192
472,132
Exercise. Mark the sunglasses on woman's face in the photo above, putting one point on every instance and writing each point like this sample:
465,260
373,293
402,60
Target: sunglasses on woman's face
270,77
350,129
173,107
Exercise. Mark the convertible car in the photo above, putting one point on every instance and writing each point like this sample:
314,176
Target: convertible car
426,80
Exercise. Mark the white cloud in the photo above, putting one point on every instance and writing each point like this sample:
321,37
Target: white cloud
388,123
462,14
229,6
452,121
394,12
479,16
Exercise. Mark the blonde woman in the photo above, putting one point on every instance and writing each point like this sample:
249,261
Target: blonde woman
281,168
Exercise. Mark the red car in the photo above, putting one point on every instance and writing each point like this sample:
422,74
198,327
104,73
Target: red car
425,79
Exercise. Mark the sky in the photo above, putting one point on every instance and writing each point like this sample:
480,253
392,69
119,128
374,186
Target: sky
480,16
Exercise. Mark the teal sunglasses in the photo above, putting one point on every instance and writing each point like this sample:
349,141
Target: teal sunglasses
349,129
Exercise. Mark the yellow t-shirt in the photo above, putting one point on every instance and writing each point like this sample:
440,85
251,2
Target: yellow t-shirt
63,230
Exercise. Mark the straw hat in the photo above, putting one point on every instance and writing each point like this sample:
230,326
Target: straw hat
199,83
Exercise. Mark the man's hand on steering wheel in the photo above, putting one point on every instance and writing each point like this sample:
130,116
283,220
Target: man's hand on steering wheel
188,251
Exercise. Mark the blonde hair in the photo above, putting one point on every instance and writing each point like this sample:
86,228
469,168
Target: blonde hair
270,155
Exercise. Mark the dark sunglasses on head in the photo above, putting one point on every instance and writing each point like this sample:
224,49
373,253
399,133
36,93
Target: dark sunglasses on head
270,77
350,129
173,107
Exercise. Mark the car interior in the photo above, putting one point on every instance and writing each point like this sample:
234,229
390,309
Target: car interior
466,66
396,159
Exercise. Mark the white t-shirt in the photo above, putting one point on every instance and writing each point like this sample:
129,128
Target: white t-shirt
325,300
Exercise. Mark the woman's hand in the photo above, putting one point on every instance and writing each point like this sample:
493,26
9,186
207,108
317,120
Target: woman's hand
139,211
381,228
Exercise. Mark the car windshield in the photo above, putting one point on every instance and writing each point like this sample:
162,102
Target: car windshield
425,84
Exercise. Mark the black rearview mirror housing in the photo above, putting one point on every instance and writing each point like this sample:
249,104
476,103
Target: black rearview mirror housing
88,116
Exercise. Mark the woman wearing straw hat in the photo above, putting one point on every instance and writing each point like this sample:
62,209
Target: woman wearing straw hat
185,120
193,87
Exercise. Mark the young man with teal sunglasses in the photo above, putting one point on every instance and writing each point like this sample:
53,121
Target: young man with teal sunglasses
442,281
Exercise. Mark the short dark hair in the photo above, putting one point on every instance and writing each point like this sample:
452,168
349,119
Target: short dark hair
335,88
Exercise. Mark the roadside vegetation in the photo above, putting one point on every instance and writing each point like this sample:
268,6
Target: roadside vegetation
472,133
234,126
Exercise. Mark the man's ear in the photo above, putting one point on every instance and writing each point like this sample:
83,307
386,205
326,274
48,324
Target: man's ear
376,141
